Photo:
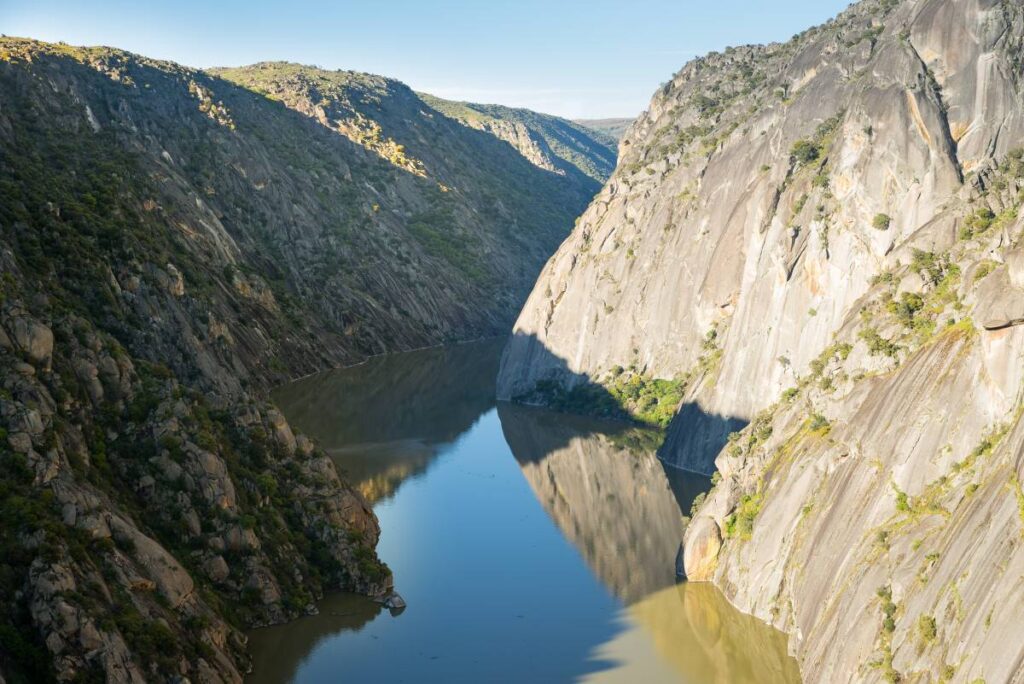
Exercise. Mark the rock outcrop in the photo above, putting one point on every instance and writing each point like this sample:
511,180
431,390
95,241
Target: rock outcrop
821,241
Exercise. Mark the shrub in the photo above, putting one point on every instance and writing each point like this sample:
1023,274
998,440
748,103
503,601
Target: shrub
906,307
805,151
698,501
741,522
930,265
818,422
881,222
984,268
927,630
878,345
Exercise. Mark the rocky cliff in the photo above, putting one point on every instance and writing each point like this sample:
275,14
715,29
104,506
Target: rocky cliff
171,245
819,240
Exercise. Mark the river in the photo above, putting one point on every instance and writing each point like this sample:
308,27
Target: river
529,545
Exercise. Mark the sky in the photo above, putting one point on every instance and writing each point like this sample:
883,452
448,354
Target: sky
573,58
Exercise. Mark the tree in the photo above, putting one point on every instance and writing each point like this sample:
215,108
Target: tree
805,151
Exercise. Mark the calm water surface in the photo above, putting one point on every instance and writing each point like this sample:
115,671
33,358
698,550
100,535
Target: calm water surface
530,546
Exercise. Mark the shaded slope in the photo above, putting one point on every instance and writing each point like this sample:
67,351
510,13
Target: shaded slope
172,244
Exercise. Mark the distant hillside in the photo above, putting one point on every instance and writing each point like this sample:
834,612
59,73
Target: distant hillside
549,142
612,128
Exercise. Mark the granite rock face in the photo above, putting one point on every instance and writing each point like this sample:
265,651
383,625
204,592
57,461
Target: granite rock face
822,241
746,197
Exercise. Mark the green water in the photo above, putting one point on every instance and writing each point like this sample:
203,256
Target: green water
530,546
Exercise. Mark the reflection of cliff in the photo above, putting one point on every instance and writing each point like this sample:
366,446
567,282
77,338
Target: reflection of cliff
613,502
382,421
700,636
278,652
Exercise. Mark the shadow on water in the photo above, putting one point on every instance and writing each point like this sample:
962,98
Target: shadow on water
383,421
695,438
530,373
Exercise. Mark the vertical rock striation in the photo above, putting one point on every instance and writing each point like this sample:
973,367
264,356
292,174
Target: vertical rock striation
822,240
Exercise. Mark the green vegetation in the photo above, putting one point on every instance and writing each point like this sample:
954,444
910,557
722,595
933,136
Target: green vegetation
983,220
741,523
624,395
931,266
836,351
577,147
902,500
819,424
927,630
698,501
888,609
906,307
878,345
984,268
807,151
1018,491
628,394
881,222
437,230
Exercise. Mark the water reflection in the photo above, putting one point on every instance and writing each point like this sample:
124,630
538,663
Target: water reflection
607,492
699,636
531,546
383,421
278,652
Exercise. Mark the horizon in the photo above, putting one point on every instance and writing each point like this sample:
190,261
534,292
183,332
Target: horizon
593,72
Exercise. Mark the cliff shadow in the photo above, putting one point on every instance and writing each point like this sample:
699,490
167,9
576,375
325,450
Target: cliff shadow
532,374
695,437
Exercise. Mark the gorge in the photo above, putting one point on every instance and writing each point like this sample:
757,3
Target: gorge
729,392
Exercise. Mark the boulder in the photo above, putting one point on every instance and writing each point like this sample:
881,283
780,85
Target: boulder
1015,268
394,602
33,338
281,430
999,304
700,556
216,568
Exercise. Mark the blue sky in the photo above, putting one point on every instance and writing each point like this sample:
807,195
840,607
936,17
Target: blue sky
574,58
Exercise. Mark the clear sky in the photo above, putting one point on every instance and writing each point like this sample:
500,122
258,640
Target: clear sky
575,58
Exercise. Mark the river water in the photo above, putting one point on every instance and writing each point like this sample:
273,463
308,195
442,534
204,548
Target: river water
530,546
